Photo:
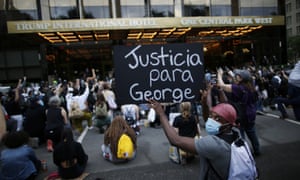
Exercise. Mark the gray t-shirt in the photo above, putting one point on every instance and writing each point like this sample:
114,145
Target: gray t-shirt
217,151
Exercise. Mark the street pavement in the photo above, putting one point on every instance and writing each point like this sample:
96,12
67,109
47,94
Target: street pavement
280,159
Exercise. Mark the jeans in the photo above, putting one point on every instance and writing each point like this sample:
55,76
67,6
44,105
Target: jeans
249,129
294,100
102,121
259,105
19,119
280,101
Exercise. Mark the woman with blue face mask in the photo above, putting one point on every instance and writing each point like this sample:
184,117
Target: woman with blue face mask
214,149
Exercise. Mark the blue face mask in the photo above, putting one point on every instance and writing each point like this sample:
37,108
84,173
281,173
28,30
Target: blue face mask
212,126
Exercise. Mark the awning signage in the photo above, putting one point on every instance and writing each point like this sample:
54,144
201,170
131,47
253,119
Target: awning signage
141,23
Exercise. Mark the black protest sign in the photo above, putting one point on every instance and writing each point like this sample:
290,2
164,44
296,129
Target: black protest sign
166,73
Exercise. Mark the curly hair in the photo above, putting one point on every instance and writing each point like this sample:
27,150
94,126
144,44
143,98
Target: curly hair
15,139
118,127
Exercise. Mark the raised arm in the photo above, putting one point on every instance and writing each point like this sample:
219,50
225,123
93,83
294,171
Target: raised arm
93,77
221,84
17,90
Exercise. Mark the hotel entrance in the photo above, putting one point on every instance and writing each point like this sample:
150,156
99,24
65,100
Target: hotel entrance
71,61
67,48
223,46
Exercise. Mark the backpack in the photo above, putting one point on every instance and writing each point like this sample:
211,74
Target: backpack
242,163
101,110
75,111
125,148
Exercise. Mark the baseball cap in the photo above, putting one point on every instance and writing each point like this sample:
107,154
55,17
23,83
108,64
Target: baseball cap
244,74
226,111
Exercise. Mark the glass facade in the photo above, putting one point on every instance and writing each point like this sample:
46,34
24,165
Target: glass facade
196,8
258,8
220,7
66,9
92,9
19,9
133,8
96,9
162,8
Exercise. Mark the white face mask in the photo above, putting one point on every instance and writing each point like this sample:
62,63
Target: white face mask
212,126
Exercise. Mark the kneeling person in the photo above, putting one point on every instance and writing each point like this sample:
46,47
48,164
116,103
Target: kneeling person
119,141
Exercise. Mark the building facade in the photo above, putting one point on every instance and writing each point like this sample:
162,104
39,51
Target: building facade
293,29
293,17
42,38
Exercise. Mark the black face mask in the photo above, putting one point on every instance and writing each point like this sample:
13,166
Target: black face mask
225,128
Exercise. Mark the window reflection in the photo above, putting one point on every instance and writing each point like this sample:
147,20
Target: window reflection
133,8
96,9
258,7
220,7
161,8
66,9
20,9
196,8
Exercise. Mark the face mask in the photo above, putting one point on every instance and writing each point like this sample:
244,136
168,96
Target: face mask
212,127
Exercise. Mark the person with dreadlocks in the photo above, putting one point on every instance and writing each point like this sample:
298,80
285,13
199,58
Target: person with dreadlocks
69,156
119,141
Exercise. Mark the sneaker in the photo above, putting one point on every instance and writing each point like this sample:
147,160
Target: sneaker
284,116
49,145
260,112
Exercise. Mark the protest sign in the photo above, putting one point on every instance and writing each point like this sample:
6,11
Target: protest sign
165,72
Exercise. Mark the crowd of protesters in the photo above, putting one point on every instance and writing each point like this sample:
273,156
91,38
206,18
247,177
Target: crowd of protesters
44,110
272,84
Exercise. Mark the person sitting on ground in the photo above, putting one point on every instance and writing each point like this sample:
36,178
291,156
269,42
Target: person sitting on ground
13,107
56,120
101,113
186,125
110,98
35,120
131,113
18,160
69,156
113,149
214,149
78,109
